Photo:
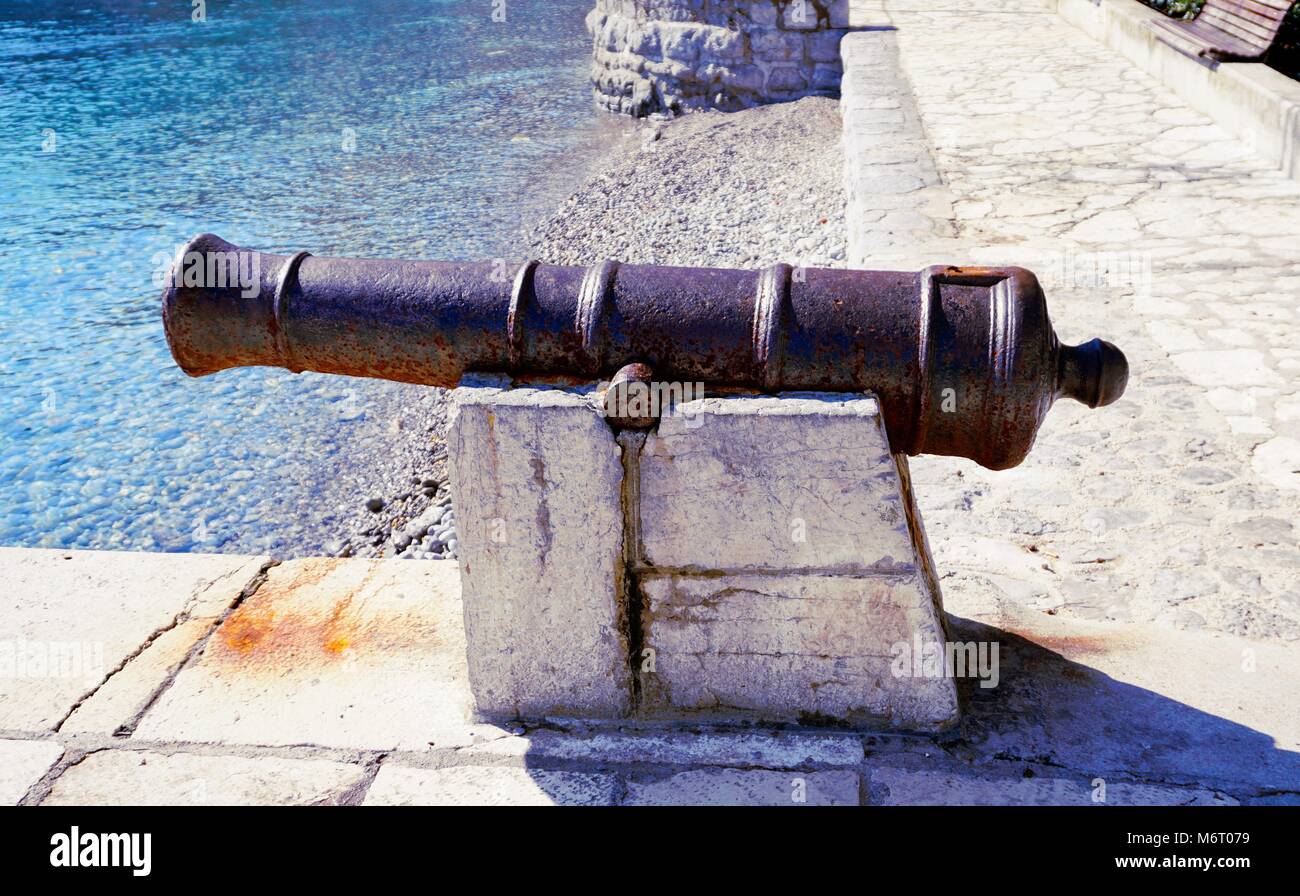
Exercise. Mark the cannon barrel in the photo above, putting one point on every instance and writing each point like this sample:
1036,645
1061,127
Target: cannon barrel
963,360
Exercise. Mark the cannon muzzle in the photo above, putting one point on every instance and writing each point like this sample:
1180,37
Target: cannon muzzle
963,360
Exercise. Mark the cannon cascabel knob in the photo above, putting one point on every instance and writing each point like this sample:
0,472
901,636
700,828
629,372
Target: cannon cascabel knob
1095,373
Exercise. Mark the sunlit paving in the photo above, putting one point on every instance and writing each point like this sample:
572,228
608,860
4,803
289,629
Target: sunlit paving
634,403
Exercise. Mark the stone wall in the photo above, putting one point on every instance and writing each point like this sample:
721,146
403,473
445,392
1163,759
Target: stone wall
673,55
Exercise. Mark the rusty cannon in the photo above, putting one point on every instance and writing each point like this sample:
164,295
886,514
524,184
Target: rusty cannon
964,360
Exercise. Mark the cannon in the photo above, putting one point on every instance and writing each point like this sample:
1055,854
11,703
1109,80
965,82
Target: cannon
964,360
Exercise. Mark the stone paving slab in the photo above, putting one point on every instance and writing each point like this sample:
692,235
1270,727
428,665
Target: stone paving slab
144,778
22,764
1144,701
1248,99
330,664
1158,715
489,786
119,701
335,653
68,619
768,749
735,787
897,201
906,787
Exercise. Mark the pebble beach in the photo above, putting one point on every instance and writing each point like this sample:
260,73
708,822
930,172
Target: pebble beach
740,189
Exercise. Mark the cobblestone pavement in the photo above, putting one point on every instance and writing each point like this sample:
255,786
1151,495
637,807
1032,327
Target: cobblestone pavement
1149,227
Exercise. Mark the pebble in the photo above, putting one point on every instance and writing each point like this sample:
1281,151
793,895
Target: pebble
694,203
711,192
704,189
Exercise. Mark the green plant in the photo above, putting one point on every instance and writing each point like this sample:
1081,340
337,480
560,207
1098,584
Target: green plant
1177,9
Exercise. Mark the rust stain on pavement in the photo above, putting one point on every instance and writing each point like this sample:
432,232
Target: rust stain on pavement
314,613
1076,645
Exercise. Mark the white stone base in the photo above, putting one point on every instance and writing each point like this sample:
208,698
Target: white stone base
783,567
538,482
754,559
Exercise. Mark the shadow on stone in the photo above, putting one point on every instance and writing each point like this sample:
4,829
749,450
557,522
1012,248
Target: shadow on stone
1058,711
1046,733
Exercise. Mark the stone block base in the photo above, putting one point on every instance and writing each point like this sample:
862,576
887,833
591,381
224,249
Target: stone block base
753,559
538,484
809,649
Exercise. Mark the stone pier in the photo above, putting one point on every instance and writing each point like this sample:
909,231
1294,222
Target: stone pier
668,56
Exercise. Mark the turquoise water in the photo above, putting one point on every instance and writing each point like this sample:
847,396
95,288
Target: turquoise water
413,128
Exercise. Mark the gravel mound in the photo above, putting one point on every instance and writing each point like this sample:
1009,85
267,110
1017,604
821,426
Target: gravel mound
739,189
729,189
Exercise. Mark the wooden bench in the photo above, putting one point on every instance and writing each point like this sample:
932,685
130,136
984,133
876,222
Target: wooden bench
1225,30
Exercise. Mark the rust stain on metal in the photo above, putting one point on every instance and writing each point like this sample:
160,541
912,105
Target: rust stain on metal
555,379
629,398
964,360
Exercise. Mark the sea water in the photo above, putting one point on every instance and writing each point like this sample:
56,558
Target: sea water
389,128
